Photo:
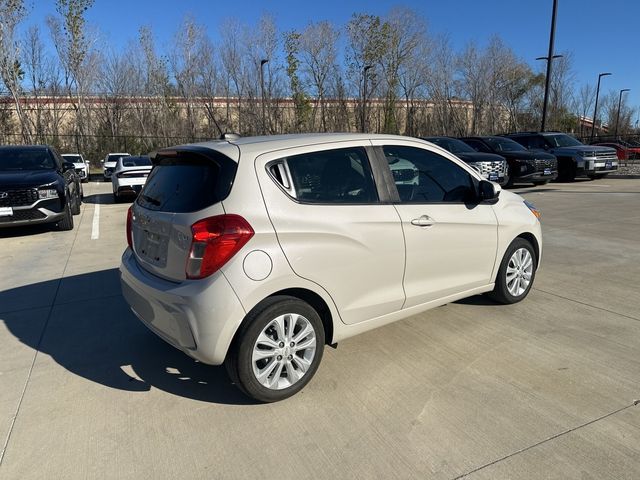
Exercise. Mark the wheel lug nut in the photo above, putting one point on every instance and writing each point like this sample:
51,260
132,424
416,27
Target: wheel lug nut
292,344
290,357
279,357
281,344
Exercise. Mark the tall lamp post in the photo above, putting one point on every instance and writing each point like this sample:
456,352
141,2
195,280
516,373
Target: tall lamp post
264,121
550,58
595,108
615,135
546,90
364,96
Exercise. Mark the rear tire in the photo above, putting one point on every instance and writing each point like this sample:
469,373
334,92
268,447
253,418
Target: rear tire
516,274
277,350
67,221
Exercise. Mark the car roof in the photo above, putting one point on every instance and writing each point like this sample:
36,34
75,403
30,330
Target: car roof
270,143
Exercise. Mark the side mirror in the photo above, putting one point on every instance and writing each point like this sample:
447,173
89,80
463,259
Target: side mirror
488,191
66,166
102,160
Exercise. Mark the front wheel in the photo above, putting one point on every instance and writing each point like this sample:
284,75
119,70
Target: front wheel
278,350
516,274
66,223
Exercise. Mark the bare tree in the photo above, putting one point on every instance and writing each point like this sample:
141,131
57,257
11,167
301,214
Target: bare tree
12,12
318,57
78,58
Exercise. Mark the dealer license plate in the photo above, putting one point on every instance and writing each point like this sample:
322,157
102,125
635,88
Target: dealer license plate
6,211
493,177
607,165
547,171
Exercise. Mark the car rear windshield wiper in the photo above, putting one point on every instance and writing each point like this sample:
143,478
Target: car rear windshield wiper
151,200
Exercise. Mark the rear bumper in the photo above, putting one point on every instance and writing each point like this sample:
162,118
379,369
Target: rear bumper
199,317
131,186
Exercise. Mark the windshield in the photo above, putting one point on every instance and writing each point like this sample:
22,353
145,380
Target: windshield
562,140
136,162
25,159
116,157
452,145
500,144
72,158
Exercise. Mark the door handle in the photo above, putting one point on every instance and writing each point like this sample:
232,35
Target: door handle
423,221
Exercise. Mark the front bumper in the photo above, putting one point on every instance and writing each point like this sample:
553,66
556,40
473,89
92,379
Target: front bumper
591,166
199,317
42,211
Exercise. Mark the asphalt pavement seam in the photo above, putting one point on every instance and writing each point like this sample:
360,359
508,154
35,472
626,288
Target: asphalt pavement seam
587,304
35,355
553,437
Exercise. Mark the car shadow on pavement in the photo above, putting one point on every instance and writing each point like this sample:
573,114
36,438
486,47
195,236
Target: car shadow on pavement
90,331
102,198
25,230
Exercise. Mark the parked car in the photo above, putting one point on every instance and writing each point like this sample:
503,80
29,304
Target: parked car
492,167
623,152
256,252
522,166
129,176
37,186
109,164
81,165
574,158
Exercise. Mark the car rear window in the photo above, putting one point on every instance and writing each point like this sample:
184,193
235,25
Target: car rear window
136,161
187,181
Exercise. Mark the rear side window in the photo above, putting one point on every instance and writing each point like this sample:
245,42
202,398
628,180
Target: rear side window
422,176
187,182
328,177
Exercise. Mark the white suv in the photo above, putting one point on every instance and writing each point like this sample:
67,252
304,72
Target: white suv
256,252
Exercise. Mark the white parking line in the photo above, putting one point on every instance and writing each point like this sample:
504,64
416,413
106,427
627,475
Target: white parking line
95,228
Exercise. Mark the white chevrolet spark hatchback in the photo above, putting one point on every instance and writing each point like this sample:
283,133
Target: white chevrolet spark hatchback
257,252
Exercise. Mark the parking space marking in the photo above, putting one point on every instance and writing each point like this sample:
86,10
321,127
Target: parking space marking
95,228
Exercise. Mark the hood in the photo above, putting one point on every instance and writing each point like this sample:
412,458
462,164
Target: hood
585,148
528,155
469,157
27,178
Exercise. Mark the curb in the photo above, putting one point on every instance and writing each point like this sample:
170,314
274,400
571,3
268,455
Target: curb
624,176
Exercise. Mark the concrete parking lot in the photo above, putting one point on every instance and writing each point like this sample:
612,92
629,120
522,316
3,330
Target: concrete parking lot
542,389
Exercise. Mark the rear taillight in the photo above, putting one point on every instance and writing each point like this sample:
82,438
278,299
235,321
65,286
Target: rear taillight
130,227
214,241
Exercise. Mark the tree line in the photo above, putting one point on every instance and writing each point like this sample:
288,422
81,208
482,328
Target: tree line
387,74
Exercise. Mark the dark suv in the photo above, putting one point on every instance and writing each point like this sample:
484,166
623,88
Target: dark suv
37,186
574,158
492,167
523,166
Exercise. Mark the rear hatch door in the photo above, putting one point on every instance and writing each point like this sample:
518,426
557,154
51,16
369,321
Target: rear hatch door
185,185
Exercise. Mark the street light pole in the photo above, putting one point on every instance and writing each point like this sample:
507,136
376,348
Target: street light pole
595,108
264,121
550,58
364,96
615,135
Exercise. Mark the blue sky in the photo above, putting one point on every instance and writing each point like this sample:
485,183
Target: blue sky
602,36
